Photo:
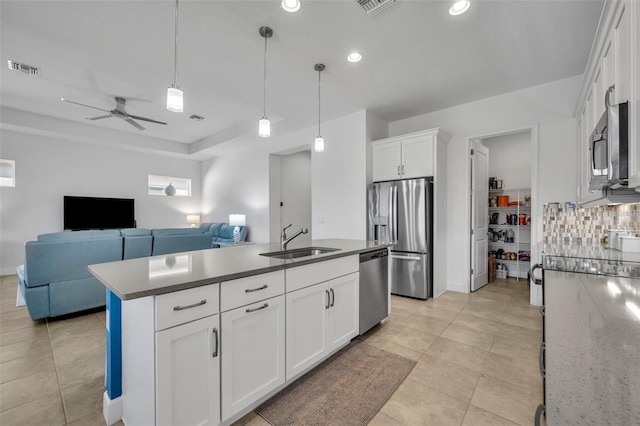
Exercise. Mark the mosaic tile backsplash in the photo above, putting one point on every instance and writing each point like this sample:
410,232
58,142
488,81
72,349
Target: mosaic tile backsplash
566,223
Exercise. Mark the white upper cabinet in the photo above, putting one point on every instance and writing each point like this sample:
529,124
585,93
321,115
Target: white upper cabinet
404,157
615,61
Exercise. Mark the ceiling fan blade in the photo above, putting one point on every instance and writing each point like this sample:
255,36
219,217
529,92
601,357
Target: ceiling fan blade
85,105
137,117
100,117
134,124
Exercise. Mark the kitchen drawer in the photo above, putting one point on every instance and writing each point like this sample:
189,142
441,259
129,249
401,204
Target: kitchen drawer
244,291
306,275
186,305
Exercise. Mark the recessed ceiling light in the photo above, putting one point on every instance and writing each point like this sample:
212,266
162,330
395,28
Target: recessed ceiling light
354,57
291,5
459,7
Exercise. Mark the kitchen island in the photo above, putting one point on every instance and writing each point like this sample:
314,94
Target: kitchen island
205,338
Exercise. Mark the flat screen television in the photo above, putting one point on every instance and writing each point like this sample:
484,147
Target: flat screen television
98,213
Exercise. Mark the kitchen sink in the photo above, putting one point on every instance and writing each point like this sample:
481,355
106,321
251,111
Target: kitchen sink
299,252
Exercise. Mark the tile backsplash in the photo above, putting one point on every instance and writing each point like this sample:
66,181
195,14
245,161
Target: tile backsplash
567,223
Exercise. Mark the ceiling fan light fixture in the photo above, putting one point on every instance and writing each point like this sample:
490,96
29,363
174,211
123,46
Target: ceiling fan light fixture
264,127
459,7
291,5
175,99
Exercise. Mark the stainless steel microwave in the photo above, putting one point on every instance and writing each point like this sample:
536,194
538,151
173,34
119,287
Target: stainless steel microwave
609,148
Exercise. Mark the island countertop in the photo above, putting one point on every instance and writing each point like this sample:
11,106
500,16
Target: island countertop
148,276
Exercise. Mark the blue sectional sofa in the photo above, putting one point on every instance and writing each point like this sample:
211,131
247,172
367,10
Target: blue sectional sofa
55,280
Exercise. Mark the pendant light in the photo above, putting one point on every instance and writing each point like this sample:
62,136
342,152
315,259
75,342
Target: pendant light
318,145
174,94
264,125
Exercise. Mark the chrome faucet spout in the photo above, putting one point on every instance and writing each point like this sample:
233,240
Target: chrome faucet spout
284,240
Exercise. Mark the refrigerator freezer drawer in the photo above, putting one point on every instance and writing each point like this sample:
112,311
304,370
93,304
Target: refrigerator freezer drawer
411,275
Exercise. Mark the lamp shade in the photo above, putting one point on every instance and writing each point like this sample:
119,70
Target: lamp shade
264,127
318,146
193,219
174,99
237,220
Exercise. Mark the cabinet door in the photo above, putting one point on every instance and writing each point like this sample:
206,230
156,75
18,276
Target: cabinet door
343,310
188,374
386,161
252,353
306,327
634,100
417,157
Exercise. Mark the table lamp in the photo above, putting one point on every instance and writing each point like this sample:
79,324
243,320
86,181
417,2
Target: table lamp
193,219
237,220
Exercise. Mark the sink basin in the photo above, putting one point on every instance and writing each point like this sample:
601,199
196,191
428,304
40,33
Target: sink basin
299,252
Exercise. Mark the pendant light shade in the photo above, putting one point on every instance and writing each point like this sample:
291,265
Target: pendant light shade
174,99
174,94
318,145
264,125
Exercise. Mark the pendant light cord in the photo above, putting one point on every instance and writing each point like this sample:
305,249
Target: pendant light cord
319,71
264,86
175,50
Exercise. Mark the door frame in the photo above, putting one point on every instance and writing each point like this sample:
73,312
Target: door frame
535,295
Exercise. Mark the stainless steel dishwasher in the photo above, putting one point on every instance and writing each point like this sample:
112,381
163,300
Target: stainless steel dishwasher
374,288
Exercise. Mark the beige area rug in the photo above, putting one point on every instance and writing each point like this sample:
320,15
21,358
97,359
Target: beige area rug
347,389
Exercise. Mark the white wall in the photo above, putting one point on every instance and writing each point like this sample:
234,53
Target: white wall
237,179
295,193
48,168
510,159
549,107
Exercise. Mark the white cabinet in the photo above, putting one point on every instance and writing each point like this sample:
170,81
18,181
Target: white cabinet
253,345
406,157
614,62
188,374
320,319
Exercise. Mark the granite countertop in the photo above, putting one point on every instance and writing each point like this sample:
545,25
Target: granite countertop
592,336
147,276
590,259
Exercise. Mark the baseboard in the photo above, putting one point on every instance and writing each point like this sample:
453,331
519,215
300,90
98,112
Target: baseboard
458,287
111,409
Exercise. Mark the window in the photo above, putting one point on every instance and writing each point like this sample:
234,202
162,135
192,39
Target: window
157,185
7,173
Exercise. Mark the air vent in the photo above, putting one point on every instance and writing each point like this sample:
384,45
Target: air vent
196,117
27,69
373,7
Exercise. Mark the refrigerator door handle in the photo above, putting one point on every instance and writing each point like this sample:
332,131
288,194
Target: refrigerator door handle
393,213
395,256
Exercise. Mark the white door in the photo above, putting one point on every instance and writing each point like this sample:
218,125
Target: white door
306,327
188,374
417,157
386,161
479,214
252,353
343,310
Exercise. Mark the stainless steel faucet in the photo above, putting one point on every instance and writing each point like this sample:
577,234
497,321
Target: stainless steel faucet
283,237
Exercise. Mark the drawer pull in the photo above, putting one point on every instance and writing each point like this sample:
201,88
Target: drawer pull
333,297
257,309
328,305
182,308
542,310
215,351
251,290
543,371
540,411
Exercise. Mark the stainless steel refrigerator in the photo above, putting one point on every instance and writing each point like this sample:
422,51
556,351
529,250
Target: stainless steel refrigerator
402,211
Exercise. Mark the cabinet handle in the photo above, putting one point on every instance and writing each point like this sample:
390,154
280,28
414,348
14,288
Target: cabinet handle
333,297
539,412
542,310
181,308
403,169
399,171
250,290
215,333
328,300
257,309
541,360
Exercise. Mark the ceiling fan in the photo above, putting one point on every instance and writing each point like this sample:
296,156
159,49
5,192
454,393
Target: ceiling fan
118,112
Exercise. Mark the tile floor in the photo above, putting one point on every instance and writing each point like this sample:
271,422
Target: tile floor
477,361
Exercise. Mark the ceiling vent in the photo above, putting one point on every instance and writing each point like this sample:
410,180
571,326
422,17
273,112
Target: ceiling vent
196,117
373,7
27,69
